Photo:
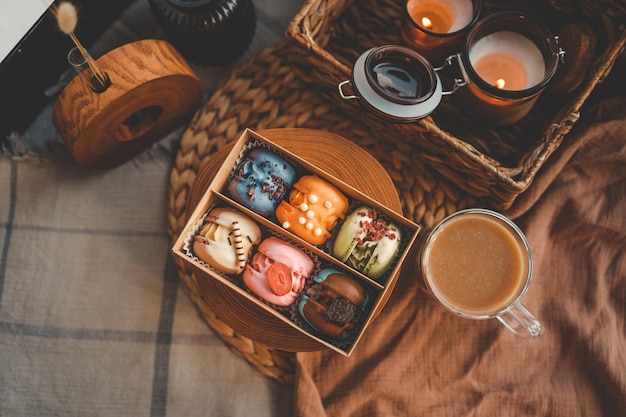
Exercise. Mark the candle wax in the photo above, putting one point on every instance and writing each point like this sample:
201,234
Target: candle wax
501,66
440,18
439,14
444,16
508,56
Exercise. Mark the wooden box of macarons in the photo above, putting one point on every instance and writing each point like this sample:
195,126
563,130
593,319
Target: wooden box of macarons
297,242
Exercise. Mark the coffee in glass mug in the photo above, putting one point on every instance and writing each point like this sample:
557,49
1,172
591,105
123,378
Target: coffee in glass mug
478,264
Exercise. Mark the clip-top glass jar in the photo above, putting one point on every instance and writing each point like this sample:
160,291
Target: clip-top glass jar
395,82
207,32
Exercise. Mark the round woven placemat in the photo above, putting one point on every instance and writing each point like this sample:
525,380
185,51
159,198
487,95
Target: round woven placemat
264,93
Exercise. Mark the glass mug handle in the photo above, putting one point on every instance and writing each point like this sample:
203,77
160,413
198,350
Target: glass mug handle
521,321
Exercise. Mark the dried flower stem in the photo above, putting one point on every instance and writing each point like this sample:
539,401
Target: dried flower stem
67,18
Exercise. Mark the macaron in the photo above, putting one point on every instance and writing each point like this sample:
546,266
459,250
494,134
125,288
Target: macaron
261,181
334,303
368,242
278,271
313,209
226,239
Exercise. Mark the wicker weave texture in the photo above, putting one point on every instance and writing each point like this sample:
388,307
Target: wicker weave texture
496,164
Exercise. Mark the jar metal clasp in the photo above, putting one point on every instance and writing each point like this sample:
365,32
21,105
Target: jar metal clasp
342,94
460,81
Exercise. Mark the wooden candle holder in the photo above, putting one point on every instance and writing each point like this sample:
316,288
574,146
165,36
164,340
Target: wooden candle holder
153,90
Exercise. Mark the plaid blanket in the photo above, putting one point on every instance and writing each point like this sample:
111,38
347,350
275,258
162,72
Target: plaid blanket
93,320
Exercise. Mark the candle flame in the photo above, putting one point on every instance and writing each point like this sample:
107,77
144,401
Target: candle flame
500,83
427,23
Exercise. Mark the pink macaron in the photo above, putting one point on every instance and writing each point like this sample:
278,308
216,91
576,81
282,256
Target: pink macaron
278,272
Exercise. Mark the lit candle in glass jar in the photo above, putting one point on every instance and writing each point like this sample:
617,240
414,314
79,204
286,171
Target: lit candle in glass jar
433,16
507,60
434,27
441,16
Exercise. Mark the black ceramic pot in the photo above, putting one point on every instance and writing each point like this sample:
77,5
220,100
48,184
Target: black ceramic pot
207,32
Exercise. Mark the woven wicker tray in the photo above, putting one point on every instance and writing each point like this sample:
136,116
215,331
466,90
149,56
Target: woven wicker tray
262,94
496,164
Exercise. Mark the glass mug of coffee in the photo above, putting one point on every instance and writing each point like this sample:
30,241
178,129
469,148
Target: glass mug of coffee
477,263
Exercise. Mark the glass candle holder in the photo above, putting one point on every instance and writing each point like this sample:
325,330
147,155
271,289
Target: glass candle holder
435,28
507,60
87,68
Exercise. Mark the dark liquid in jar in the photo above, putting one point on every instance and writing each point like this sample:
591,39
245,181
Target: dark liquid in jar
398,80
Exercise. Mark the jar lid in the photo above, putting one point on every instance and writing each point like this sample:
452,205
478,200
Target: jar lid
396,83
